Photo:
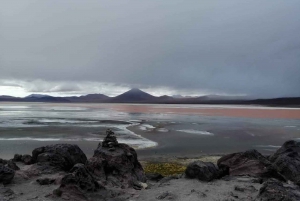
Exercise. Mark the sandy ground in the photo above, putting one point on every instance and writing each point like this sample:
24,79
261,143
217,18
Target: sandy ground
182,189
176,188
25,186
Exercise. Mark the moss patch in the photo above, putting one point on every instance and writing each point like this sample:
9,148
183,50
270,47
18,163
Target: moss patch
164,169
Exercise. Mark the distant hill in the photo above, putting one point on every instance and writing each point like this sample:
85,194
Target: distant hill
134,96
9,98
292,101
44,98
139,96
90,98
37,96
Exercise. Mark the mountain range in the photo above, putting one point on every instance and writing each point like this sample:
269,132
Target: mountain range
139,96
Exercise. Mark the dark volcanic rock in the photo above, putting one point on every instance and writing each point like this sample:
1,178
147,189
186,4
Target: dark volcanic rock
45,181
77,183
12,165
81,177
154,176
110,140
204,171
62,156
250,163
9,163
287,161
17,158
6,174
116,163
27,159
274,190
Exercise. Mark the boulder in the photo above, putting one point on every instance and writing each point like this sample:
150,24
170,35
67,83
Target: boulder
77,183
154,176
61,156
250,163
27,159
287,161
204,171
17,158
274,190
116,163
12,165
45,181
6,174
9,163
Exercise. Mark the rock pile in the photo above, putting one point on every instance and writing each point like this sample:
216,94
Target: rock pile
116,164
280,172
110,141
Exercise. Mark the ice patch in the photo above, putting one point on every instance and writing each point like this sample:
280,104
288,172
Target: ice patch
164,130
191,131
142,128
145,127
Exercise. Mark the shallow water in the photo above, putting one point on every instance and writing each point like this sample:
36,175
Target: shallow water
24,126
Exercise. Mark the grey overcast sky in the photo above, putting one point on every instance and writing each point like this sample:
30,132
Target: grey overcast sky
165,47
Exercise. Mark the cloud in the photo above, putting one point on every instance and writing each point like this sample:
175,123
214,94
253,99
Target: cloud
23,88
229,47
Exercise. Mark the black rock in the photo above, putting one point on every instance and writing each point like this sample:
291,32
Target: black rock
17,158
62,156
12,165
274,190
45,181
27,159
110,140
204,171
287,161
6,174
81,177
3,161
9,163
77,183
250,163
154,176
119,167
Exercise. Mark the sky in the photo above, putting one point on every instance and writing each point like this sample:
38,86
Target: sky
76,47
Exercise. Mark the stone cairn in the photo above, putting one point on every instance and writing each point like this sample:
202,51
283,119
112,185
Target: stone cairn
110,141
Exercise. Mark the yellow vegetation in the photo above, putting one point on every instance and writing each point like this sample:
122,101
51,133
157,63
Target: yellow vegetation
164,169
